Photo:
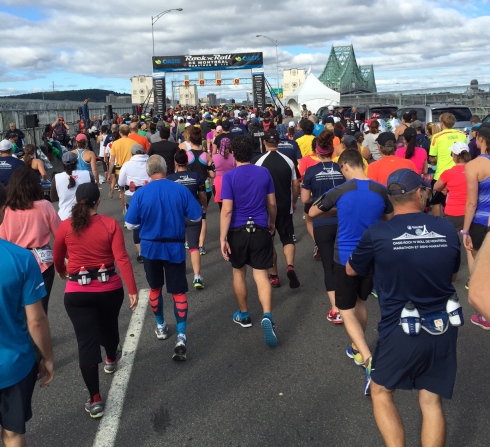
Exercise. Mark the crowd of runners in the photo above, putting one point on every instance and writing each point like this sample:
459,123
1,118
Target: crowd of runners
373,201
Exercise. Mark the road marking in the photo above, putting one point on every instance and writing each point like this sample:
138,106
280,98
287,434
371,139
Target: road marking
109,424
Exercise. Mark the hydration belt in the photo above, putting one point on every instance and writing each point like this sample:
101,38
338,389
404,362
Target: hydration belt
93,273
126,188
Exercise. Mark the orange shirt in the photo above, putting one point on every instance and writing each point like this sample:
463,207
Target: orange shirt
380,170
140,139
307,162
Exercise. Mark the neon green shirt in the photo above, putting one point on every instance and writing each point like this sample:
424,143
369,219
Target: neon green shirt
439,147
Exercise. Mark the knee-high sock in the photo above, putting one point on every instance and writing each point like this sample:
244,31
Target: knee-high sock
156,303
180,311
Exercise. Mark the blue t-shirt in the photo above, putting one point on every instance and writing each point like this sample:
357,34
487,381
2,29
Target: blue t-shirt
22,284
318,129
291,149
414,257
160,208
191,180
7,167
319,179
247,186
360,203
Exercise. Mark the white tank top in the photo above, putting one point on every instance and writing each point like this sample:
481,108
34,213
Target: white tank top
101,147
67,196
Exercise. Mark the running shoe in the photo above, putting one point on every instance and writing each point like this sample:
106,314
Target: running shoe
186,245
467,285
274,280
243,322
202,250
316,253
162,332
373,293
295,238
293,278
111,193
355,355
334,317
198,283
116,188
367,377
270,336
95,409
111,365
180,349
140,259
479,320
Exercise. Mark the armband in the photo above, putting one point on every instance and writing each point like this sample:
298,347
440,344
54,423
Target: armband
466,233
212,167
318,203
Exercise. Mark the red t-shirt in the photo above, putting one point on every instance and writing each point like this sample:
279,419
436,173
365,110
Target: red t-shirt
455,181
307,162
102,242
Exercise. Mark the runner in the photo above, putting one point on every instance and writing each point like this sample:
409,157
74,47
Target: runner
317,179
94,292
195,183
411,152
223,161
247,220
86,159
159,210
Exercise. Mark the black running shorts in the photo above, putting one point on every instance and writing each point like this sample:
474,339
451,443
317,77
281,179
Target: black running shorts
285,228
349,288
253,249
477,233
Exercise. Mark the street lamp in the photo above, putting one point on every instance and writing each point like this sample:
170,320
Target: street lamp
155,19
277,57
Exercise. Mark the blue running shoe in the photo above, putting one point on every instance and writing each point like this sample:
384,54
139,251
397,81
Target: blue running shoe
242,321
367,377
270,337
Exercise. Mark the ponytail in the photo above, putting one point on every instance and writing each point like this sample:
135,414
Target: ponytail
410,147
80,216
69,170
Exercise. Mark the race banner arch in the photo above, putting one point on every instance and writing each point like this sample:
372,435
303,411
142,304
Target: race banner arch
207,62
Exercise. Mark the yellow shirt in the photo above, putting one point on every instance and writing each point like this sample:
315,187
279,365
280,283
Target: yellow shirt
305,144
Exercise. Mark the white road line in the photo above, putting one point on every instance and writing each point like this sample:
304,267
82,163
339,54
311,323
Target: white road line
109,424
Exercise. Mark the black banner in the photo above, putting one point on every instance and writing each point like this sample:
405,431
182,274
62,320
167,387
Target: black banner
258,88
207,62
159,96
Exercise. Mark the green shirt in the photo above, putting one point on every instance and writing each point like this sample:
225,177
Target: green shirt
441,143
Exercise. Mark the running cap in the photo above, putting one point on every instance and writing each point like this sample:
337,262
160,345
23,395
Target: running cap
271,136
81,136
225,125
349,141
406,180
475,127
207,116
484,130
252,115
291,124
69,158
459,147
417,124
88,193
409,133
189,117
358,135
384,137
188,124
330,107
5,145
137,149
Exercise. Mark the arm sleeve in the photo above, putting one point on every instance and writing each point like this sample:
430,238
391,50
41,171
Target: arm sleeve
122,258
362,257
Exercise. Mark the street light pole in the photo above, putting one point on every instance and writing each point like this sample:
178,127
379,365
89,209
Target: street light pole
155,20
277,57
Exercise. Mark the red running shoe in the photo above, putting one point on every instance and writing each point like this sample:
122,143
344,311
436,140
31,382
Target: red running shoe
274,280
334,317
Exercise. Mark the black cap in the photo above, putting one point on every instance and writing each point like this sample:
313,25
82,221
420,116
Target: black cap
88,193
225,124
484,130
236,121
384,137
271,136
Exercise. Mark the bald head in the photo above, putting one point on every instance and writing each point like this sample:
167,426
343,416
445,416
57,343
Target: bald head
133,127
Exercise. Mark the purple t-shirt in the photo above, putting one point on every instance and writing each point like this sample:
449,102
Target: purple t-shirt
247,186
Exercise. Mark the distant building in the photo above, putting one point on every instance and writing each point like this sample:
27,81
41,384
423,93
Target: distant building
141,87
292,79
188,96
212,100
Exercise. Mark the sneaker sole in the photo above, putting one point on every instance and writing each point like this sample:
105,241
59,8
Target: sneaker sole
108,371
198,286
485,328
270,337
241,324
293,279
179,354
275,286
95,416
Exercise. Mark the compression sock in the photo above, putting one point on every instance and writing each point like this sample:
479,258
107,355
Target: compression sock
90,376
156,303
180,311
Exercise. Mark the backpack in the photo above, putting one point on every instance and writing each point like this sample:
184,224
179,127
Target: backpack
79,110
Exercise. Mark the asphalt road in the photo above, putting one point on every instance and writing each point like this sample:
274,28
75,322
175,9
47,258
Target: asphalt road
234,390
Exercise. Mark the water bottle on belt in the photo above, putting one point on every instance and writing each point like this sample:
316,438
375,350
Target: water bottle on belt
250,226
132,187
84,277
410,319
455,311
102,275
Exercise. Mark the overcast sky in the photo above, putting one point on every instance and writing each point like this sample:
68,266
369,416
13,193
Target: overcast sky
75,44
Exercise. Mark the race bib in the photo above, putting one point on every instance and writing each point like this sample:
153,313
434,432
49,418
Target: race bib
43,254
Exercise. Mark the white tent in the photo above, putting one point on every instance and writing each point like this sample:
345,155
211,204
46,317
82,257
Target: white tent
312,93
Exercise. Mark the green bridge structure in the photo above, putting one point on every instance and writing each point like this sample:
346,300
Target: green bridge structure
344,75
